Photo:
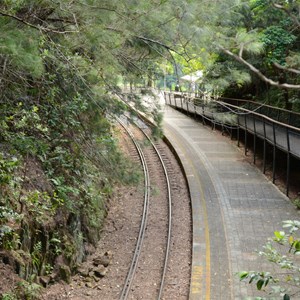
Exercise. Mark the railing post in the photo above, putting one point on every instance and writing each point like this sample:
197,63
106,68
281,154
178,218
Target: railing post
246,135
289,119
254,141
238,131
181,101
203,111
187,106
288,162
278,115
274,152
265,147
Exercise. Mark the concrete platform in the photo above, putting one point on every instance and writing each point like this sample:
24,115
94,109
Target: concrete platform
235,209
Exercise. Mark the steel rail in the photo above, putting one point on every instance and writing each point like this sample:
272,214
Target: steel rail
169,216
134,262
131,272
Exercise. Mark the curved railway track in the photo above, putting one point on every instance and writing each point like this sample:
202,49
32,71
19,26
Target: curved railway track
152,235
152,274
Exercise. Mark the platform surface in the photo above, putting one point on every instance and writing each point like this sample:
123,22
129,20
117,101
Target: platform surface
235,209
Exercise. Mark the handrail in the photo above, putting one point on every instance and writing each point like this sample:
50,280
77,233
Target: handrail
263,116
260,104
280,135
282,113
244,100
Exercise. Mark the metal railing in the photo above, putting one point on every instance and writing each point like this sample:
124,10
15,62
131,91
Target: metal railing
279,114
275,126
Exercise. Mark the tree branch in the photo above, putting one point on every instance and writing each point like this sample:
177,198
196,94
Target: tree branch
105,9
258,72
153,42
4,14
295,71
295,19
145,39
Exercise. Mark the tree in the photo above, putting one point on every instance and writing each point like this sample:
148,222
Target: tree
259,35
60,68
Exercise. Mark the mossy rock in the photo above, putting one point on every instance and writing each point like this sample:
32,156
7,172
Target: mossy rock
65,273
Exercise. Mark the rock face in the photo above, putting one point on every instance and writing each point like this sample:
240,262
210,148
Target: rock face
37,227
44,280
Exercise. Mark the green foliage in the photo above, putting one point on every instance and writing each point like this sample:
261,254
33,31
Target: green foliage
56,244
13,5
261,279
282,250
40,206
28,290
9,220
277,42
222,75
7,167
250,41
24,290
23,46
156,130
296,202
59,159
36,256
9,296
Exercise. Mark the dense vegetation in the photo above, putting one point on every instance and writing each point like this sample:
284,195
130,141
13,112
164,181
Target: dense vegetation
63,65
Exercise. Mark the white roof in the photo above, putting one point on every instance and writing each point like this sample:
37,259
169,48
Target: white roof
193,77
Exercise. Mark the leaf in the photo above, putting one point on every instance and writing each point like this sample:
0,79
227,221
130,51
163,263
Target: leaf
243,275
253,277
260,284
290,223
297,245
55,240
279,234
286,297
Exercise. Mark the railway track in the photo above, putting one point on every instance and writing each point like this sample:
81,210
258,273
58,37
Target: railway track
149,265
122,227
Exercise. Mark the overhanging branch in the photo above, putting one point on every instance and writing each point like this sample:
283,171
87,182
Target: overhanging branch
293,17
145,39
45,29
240,59
295,71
